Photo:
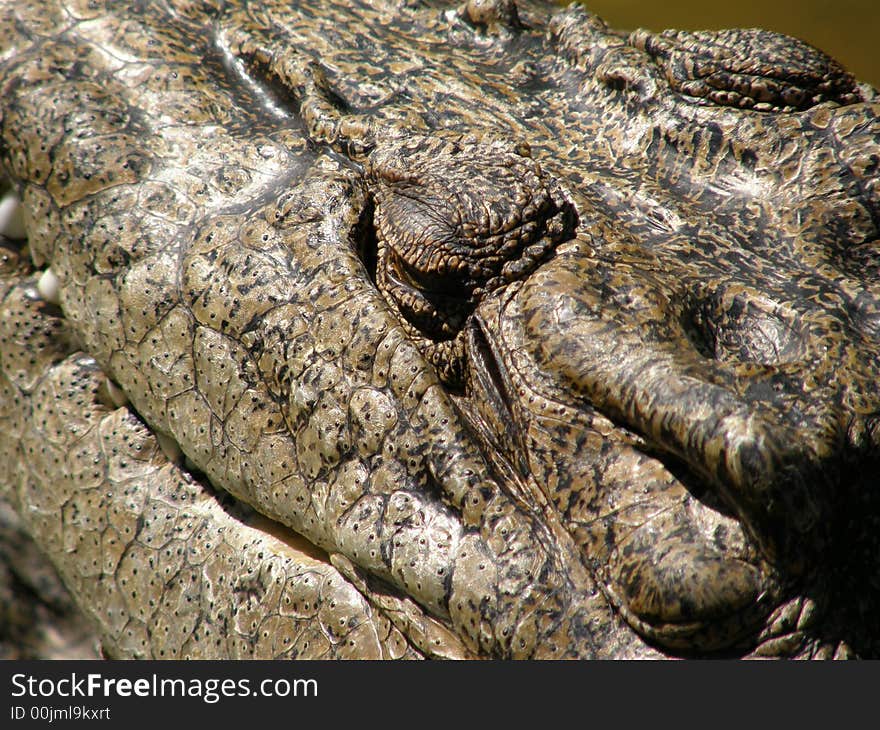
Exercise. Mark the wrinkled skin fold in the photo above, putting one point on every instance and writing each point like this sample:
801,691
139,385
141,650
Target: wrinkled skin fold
652,430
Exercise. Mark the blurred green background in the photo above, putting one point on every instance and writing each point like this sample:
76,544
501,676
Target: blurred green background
848,30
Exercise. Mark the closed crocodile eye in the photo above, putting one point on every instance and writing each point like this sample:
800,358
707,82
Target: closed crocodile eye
455,219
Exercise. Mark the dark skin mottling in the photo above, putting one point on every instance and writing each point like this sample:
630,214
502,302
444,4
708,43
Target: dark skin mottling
484,330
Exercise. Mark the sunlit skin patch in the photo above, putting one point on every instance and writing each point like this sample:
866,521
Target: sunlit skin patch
11,217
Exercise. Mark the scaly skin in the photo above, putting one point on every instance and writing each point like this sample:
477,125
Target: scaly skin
665,429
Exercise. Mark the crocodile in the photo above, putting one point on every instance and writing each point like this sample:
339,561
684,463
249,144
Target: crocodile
404,329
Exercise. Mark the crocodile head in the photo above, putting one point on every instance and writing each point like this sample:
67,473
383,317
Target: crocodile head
551,340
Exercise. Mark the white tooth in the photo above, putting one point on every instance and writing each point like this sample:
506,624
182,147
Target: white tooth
117,394
11,219
169,448
48,287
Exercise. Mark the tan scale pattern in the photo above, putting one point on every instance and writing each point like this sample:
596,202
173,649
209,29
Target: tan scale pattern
659,435
163,566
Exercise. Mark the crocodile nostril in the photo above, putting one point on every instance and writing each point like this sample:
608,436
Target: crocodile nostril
733,324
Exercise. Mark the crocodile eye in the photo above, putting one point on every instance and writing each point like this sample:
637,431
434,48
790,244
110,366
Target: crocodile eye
454,220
